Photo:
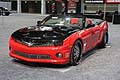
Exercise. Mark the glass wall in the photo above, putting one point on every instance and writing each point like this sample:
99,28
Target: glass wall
109,8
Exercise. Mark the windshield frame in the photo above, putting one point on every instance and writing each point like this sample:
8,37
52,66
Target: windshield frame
44,21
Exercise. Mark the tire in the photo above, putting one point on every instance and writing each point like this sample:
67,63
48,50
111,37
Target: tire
104,41
76,55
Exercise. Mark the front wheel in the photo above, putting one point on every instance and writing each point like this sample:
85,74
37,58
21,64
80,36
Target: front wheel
76,51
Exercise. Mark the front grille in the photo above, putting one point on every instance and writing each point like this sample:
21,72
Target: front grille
37,43
42,43
33,56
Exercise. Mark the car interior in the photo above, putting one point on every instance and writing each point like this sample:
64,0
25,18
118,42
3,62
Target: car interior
89,23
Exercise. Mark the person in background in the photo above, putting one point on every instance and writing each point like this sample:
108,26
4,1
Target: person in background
116,12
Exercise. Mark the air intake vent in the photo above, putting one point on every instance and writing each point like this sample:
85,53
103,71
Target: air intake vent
33,56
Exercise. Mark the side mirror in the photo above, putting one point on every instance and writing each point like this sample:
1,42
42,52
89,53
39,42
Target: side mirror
39,23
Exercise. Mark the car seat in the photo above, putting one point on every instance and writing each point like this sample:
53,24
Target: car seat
74,21
89,21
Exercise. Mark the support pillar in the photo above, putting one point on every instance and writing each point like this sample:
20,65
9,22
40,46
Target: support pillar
43,7
104,11
82,6
18,6
119,8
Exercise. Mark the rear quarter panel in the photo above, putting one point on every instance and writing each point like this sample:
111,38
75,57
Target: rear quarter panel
103,27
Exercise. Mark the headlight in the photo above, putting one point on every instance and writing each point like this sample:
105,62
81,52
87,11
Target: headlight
58,42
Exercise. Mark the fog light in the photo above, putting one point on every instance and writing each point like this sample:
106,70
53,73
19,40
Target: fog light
59,55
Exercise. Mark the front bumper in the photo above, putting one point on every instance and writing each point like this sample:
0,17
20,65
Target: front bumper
39,54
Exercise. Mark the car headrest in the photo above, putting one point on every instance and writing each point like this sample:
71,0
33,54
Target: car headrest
89,21
74,21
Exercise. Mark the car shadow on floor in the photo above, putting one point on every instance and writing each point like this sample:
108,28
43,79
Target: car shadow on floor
93,51
35,64
88,54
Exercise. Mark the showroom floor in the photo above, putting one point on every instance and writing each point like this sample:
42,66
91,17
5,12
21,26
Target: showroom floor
103,64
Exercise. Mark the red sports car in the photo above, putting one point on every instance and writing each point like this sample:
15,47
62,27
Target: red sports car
58,39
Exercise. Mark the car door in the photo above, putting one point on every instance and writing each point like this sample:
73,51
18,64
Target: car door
87,40
95,34
91,35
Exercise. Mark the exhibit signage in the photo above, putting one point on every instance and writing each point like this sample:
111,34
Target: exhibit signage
113,1
72,4
94,1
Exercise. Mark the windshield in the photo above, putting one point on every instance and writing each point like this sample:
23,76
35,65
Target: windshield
64,21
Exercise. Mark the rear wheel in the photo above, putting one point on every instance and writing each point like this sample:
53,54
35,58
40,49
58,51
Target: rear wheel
104,41
76,55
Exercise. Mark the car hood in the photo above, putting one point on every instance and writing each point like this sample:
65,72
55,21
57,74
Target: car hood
42,34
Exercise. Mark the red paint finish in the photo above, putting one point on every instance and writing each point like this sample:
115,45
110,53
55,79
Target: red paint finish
89,37
52,51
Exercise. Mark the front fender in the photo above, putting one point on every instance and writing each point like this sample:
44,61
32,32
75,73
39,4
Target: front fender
72,38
